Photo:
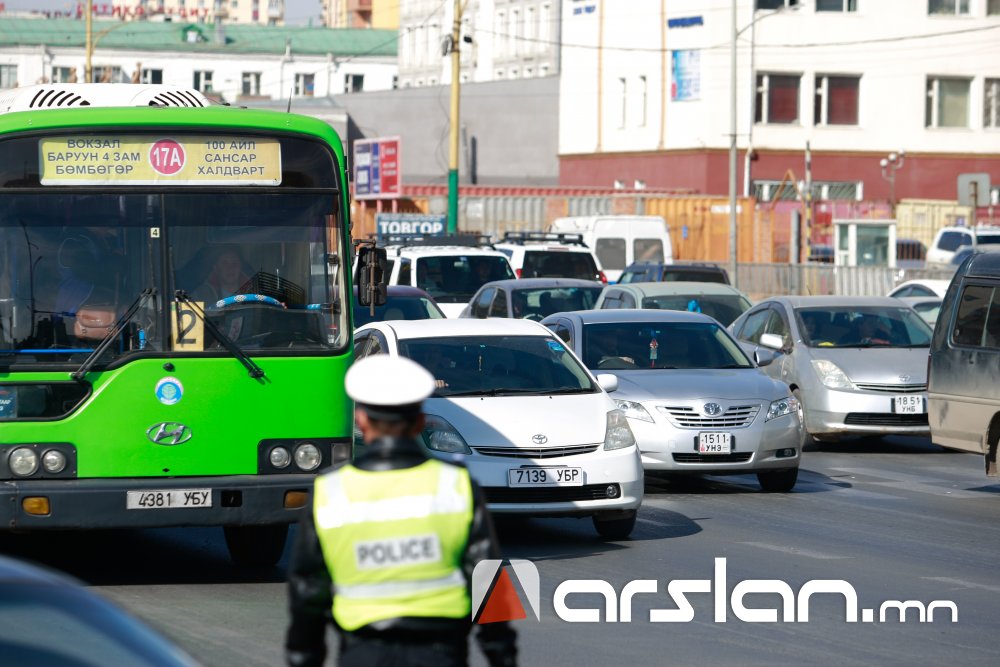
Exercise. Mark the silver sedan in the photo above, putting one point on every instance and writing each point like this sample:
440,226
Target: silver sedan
694,400
858,365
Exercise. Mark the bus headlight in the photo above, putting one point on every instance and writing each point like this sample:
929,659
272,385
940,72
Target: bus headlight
23,461
54,461
279,457
307,456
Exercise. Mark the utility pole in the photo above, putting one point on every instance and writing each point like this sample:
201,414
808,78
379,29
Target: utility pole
732,152
456,66
88,69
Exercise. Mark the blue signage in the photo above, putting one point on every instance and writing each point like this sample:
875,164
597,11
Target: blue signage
409,224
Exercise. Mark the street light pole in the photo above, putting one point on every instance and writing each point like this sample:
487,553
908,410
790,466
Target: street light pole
732,152
456,36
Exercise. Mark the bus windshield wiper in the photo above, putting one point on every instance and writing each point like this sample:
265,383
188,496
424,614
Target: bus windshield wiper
113,333
256,372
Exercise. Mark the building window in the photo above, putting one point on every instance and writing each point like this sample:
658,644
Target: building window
623,106
765,191
960,7
947,102
151,76
305,84
775,4
108,74
836,100
530,25
643,98
64,75
991,103
8,76
544,25
503,36
251,83
836,5
777,98
992,7
354,83
203,81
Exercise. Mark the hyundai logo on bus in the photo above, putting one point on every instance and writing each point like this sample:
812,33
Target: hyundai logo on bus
168,433
409,224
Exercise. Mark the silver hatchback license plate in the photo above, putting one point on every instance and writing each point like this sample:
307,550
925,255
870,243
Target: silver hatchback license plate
715,443
168,499
552,476
909,405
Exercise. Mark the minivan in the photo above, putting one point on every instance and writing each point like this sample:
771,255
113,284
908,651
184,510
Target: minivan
962,391
950,239
620,240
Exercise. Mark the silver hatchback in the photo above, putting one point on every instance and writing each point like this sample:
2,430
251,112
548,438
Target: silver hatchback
858,365
694,400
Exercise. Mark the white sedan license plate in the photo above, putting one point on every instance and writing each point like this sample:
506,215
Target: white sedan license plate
168,499
560,476
715,443
909,405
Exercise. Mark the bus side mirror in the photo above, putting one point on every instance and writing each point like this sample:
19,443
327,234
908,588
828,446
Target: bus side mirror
372,276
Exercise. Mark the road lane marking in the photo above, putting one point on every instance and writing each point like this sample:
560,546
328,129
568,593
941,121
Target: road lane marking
795,551
964,584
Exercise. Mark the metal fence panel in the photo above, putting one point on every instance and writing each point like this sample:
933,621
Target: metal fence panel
760,281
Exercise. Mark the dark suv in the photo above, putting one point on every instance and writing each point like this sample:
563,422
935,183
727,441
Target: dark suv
651,272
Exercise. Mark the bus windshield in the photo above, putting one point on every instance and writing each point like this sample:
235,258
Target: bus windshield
256,263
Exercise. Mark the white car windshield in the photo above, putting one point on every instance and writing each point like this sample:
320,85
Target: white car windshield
659,345
499,365
868,326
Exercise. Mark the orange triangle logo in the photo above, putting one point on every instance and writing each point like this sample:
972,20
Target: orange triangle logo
503,603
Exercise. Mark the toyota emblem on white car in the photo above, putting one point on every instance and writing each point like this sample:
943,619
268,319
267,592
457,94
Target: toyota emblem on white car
712,409
539,439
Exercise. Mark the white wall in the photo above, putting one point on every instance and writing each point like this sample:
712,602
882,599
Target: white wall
277,73
893,65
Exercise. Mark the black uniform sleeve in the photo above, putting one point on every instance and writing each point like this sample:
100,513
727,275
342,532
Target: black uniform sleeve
310,593
498,641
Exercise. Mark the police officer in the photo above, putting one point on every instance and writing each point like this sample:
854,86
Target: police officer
391,541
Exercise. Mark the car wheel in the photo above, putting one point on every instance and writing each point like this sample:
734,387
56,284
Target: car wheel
778,481
256,545
617,528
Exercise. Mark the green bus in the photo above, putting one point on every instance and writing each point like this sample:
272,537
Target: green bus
174,319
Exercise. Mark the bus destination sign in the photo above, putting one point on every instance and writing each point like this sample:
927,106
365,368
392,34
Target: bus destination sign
163,161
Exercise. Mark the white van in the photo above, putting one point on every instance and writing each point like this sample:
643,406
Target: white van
619,240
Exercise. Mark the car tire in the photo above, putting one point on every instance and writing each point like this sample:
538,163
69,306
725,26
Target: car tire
778,481
256,546
617,528
804,436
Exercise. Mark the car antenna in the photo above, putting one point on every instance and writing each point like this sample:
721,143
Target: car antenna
289,109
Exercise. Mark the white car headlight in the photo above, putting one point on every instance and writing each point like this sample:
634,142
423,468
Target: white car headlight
634,410
782,407
831,375
441,436
618,435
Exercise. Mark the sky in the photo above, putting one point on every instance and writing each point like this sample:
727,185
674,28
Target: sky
297,12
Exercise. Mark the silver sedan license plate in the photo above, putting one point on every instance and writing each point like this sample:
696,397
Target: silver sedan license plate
715,443
553,476
912,404
168,499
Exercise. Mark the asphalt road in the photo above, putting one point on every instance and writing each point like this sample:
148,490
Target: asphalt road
897,519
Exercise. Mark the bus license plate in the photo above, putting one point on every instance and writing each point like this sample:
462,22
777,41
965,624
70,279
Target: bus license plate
545,477
168,499
715,443
909,405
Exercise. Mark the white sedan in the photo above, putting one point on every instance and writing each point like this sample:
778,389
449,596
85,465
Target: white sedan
536,430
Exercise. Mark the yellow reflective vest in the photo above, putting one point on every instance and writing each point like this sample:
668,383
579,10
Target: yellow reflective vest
393,541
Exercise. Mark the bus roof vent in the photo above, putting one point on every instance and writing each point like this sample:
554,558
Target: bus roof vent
68,95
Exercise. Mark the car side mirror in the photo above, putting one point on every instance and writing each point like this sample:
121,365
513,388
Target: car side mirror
764,357
608,382
773,341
